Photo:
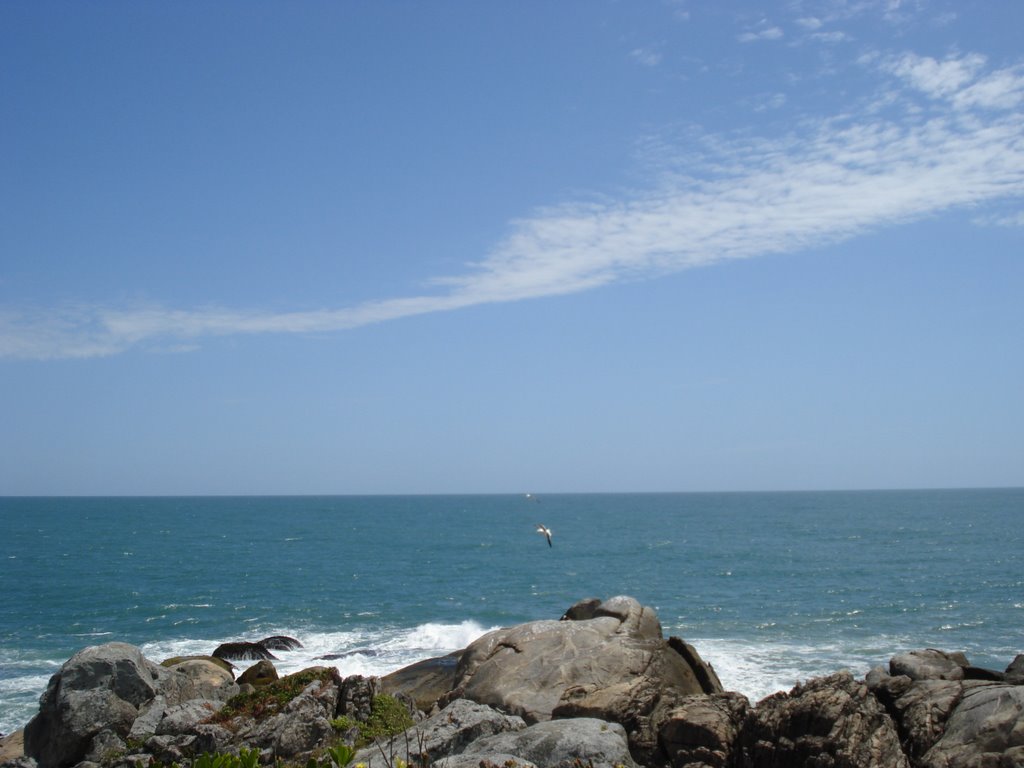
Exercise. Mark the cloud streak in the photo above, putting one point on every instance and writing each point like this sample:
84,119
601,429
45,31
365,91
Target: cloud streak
957,141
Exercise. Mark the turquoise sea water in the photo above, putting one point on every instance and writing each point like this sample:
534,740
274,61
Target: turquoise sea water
771,588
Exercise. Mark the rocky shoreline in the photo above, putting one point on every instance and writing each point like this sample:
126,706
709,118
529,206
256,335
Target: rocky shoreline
599,688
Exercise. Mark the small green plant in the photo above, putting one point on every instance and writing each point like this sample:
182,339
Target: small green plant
246,758
388,716
219,760
341,755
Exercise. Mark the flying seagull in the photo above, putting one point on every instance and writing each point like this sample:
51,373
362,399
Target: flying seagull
541,528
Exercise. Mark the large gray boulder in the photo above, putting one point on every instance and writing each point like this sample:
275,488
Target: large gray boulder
581,741
100,688
929,664
831,721
445,733
610,663
985,728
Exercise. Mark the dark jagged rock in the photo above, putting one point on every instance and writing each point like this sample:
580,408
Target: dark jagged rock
701,730
243,651
1015,672
582,610
980,673
831,721
280,643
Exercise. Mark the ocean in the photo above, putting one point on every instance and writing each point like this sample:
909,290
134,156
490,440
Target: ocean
771,588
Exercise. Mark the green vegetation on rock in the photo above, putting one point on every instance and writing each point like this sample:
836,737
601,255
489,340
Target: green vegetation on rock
273,697
388,716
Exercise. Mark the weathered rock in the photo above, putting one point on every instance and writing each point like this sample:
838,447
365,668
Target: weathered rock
448,732
614,666
985,728
211,680
929,664
170,749
243,651
704,672
356,695
483,761
921,711
99,688
557,743
425,682
831,721
703,729
105,746
1015,672
181,719
303,726
211,738
260,673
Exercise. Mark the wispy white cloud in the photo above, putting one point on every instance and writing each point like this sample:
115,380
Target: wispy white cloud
646,56
810,23
835,36
933,77
769,101
724,199
961,80
762,33
1001,220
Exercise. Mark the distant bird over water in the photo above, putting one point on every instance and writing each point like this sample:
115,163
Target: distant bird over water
541,528
531,497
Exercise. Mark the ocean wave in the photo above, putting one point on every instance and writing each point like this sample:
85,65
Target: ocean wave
356,651
758,669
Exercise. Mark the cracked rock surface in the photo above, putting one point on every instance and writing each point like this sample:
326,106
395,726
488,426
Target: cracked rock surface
611,663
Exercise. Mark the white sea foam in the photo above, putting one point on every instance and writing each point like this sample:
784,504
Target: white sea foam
361,651
759,669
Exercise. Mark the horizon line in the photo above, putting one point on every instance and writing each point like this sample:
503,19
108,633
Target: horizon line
414,494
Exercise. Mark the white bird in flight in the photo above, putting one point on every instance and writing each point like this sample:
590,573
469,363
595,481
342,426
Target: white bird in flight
541,528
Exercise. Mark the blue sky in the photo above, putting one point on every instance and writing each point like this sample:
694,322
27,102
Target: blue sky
409,247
